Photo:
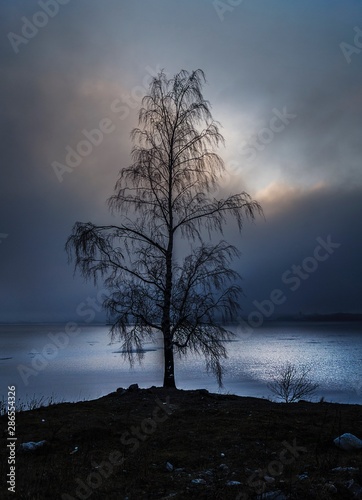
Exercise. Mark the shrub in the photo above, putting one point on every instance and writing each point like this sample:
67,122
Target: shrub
291,383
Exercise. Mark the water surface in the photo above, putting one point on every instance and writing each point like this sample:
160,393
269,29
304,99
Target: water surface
86,366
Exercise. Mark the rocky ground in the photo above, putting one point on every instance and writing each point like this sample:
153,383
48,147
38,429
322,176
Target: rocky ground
156,444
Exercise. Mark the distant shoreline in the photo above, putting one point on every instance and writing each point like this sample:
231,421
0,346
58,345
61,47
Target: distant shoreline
302,318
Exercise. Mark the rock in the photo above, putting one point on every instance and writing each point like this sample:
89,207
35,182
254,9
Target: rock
224,467
31,445
233,483
133,388
198,481
345,469
251,471
208,473
269,479
272,495
303,477
331,488
169,467
348,442
355,489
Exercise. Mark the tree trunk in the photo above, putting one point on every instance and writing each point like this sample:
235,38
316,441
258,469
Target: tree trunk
169,368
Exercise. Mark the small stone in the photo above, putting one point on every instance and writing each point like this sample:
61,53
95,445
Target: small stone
303,477
208,473
224,467
345,469
169,467
198,481
233,483
273,495
331,488
269,479
354,488
31,445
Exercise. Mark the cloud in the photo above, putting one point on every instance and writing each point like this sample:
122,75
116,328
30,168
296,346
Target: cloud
261,57
294,220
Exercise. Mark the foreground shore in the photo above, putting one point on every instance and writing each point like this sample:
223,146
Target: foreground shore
156,444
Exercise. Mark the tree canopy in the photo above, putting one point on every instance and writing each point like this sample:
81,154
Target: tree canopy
163,197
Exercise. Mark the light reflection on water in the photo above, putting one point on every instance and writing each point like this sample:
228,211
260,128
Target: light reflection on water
90,367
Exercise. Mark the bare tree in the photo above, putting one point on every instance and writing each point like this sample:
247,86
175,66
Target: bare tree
165,196
292,383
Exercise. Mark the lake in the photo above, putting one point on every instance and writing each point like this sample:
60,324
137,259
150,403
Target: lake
77,363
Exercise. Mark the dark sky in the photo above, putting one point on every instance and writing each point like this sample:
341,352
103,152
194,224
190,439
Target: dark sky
284,80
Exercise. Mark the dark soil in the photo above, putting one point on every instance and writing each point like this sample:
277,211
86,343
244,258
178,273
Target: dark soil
154,443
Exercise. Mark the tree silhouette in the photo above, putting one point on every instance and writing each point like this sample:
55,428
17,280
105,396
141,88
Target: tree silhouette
291,383
163,197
